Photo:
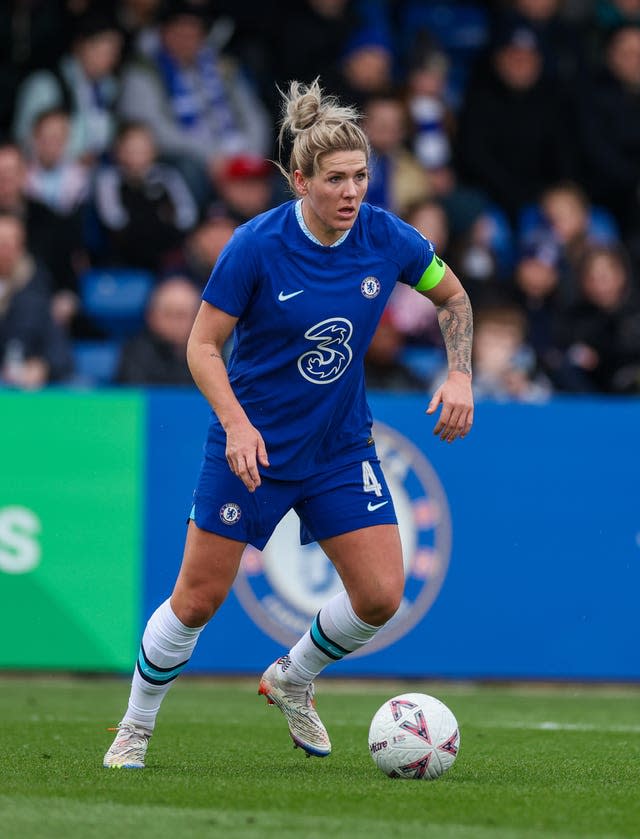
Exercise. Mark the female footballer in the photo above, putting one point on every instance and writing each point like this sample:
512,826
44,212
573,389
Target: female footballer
302,287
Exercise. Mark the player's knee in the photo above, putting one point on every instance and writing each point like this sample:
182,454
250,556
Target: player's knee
193,609
195,615
379,609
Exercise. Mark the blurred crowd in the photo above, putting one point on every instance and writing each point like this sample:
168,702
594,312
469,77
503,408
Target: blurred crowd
135,136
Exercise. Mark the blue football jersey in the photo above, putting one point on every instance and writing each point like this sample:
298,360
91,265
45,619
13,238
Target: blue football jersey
306,315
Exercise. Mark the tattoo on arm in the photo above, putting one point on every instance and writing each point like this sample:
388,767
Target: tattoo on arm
214,355
456,324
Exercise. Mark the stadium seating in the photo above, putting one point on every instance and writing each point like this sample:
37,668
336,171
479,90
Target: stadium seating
95,362
425,362
114,299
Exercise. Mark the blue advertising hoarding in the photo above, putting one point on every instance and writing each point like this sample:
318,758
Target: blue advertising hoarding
522,545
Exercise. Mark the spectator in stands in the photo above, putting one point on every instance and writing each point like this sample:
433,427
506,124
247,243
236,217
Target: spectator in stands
53,239
157,356
512,137
84,83
430,218
432,119
482,251
609,128
600,333
480,235
144,207
397,180
562,42
61,184
33,350
13,187
576,224
246,186
367,65
198,104
504,366
537,292
570,225
204,245
52,177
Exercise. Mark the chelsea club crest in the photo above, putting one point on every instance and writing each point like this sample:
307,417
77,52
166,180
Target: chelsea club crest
284,586
370,287
230,513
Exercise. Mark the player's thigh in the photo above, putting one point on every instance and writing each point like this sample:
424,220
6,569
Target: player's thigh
224,506
209,567
350,497
369,562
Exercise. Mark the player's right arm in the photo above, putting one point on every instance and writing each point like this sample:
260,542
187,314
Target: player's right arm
245,446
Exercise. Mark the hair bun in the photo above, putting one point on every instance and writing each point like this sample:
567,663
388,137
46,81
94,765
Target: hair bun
319,124
303,106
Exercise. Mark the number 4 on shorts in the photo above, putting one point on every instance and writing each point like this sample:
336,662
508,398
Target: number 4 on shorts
369,481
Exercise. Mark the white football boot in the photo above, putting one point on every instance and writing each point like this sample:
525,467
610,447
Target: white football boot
296,703
129,748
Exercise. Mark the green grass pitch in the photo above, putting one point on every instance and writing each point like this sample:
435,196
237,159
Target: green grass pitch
534,762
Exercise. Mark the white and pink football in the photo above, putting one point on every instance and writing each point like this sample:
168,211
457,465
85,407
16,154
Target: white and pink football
414,736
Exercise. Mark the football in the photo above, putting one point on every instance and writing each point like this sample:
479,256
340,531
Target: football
414,736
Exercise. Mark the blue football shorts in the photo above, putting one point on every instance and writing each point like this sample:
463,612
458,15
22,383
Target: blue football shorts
339,500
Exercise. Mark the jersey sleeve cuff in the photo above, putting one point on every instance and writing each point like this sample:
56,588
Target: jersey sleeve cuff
433,273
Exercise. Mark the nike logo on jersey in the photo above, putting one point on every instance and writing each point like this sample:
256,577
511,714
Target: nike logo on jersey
371,507
282,296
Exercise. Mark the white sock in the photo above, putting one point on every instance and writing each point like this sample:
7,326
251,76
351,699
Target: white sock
336,631
166,648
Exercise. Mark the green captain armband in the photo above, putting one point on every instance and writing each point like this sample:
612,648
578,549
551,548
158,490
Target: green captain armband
432,275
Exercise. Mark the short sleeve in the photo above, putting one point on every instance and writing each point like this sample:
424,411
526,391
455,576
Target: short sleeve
234,277
421,267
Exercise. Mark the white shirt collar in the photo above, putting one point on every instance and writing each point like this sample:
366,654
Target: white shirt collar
309,234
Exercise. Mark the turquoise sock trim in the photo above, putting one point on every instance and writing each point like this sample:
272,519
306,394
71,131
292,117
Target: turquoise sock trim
324,644
158,675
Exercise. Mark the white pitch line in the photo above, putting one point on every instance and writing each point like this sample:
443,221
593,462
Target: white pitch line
549,725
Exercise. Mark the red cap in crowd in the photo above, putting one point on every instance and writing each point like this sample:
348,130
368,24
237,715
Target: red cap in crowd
246,166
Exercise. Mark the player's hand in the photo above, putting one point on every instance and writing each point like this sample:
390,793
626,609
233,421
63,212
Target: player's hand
456,398
245,450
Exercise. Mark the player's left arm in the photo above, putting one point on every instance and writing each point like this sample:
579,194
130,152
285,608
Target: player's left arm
456,324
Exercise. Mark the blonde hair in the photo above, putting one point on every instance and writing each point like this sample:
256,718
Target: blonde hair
319,125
